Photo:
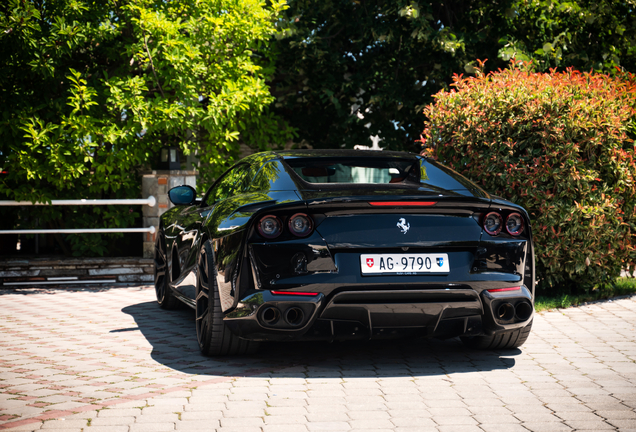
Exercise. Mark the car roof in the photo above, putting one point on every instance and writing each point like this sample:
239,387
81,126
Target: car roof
290,178
263,157
290,154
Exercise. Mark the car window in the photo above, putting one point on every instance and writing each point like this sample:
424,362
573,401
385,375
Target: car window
272,176
234,182
380,170
434,174
248,182
354,170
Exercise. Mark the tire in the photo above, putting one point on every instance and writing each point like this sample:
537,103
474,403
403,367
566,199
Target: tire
165,297
214,338
506,340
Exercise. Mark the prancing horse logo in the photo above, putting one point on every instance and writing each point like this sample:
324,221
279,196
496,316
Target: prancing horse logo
403,225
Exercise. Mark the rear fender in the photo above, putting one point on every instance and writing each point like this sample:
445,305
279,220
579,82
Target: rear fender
505,253
273,261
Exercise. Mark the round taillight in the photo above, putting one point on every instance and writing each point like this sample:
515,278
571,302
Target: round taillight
514,224
493,223
300,225
270,227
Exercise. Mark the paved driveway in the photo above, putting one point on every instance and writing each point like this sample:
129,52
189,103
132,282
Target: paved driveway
111,360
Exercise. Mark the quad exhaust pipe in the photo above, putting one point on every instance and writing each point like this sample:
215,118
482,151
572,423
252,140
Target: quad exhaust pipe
505,312
270,315
294,316
522,311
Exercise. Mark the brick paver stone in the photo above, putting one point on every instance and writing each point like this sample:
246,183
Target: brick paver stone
109,359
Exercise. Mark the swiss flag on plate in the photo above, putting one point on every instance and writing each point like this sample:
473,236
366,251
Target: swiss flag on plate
370,262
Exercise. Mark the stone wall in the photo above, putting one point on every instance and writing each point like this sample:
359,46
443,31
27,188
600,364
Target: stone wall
72,271
157,184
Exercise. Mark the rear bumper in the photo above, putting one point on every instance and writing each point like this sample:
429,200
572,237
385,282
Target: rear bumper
370,314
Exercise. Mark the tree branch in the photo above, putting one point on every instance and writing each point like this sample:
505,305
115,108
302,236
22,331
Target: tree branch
152,65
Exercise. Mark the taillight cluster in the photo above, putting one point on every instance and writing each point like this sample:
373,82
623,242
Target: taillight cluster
299,225
493,224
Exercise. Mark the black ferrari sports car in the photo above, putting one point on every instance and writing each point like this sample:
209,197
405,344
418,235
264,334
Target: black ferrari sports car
346,244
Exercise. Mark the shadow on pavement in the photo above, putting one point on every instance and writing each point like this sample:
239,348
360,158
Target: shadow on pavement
174,344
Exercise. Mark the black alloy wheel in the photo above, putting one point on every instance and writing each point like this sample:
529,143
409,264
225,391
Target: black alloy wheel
165,298
505,340
215,339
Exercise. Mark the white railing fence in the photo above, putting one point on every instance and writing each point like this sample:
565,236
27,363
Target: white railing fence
150,202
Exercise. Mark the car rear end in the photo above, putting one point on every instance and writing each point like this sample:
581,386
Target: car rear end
411,249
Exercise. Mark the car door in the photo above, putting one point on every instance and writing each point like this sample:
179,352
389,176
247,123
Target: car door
191,235
187,239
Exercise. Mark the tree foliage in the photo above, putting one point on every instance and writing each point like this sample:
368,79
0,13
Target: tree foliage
385,59
562,145
586,35
89,91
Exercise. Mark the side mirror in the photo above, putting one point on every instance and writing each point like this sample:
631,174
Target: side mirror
182,195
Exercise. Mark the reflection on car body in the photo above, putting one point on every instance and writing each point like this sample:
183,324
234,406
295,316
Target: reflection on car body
337,245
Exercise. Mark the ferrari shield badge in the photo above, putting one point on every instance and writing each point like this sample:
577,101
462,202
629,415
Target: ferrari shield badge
403,225
370,262
440,262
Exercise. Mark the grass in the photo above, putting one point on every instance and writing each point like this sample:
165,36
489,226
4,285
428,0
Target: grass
623,286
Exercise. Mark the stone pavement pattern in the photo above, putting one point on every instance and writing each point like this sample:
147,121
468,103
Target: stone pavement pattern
97,360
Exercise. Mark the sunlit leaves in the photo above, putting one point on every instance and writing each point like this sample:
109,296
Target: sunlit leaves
597,35
90,91
561,145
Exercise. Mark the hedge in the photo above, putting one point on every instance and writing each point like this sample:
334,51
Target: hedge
561,144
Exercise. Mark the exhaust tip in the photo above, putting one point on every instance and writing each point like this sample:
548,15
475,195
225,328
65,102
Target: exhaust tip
294,316
523,311
505,312
270,315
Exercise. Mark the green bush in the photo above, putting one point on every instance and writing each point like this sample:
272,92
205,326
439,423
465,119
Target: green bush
561,144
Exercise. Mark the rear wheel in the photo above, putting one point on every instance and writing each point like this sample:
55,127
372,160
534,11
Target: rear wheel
165,297
215,339
506,340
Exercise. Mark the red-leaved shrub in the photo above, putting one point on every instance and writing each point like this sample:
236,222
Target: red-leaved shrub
561,144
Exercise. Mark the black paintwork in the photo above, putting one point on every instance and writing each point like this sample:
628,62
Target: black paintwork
349,304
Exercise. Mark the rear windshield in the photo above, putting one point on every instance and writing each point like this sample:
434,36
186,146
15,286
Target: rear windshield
356,170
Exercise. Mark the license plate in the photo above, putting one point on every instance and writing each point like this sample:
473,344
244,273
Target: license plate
404,264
